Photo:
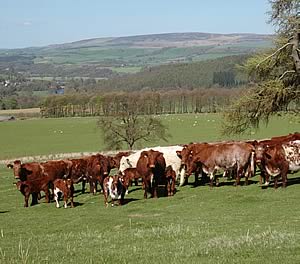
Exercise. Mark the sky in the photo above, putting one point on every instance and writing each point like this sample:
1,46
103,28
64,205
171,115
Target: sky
31,23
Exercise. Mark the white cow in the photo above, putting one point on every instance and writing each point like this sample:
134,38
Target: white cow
170,156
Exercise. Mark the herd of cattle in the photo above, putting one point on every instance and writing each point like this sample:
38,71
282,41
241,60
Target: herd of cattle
159,166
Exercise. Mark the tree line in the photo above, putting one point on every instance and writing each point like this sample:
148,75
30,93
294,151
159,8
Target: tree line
146,102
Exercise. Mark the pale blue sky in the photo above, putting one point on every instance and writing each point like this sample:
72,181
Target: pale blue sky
26,23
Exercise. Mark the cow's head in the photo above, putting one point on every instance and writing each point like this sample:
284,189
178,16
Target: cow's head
105,166
112,162
125,163
68,182
170,173
16,166
151,157
259,152
186,155
117,158
116,186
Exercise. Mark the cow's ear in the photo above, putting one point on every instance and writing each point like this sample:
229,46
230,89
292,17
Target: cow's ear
268,156
178,152
161,154
9,166
144,154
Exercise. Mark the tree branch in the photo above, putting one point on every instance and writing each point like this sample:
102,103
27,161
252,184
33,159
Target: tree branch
286,72
273,54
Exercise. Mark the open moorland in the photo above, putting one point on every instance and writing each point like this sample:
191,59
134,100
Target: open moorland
226,224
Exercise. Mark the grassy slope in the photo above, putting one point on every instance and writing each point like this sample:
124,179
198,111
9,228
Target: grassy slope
197,225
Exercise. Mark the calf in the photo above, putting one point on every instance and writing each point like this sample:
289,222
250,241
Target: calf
151,165
170,179
129,175
26,188
113,186
279,159
66,188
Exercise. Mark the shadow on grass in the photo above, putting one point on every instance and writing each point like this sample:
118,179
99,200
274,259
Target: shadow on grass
290,182
4,212
76,204
293,181
129,200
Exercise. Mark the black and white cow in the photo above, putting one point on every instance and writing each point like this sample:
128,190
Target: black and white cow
113,186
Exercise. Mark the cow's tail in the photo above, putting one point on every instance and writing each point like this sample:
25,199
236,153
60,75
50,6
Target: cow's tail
182,175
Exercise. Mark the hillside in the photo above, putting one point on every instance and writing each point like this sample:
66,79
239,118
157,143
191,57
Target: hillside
109,57
220,71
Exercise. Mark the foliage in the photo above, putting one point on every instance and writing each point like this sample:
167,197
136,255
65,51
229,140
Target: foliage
275,73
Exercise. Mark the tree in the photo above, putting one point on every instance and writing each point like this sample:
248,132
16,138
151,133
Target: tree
130,128
276,73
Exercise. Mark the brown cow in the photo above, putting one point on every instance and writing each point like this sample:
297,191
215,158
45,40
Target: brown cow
280,158
151,165
41,175
33,178
66,188
98,168
115,160
170,175
113,186
186,155
78,171
260,148
129,175
226,156
27,188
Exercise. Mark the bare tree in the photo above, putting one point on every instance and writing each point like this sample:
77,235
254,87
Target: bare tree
130,128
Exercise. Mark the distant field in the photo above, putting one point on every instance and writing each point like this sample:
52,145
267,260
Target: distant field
22,113
227,224
50,136
147,56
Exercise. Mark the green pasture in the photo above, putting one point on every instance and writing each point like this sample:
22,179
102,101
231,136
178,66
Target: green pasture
50,136
244,224
226,224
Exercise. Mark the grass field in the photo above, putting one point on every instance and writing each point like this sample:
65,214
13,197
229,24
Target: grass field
227,224
49,136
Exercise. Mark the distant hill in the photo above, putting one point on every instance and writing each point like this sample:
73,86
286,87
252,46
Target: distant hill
167,40
111,57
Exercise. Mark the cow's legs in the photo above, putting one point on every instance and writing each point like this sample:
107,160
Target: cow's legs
83,186
146,184
72,199
46,191
211,176
26,198
56,196
284,173
34,197
276,182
